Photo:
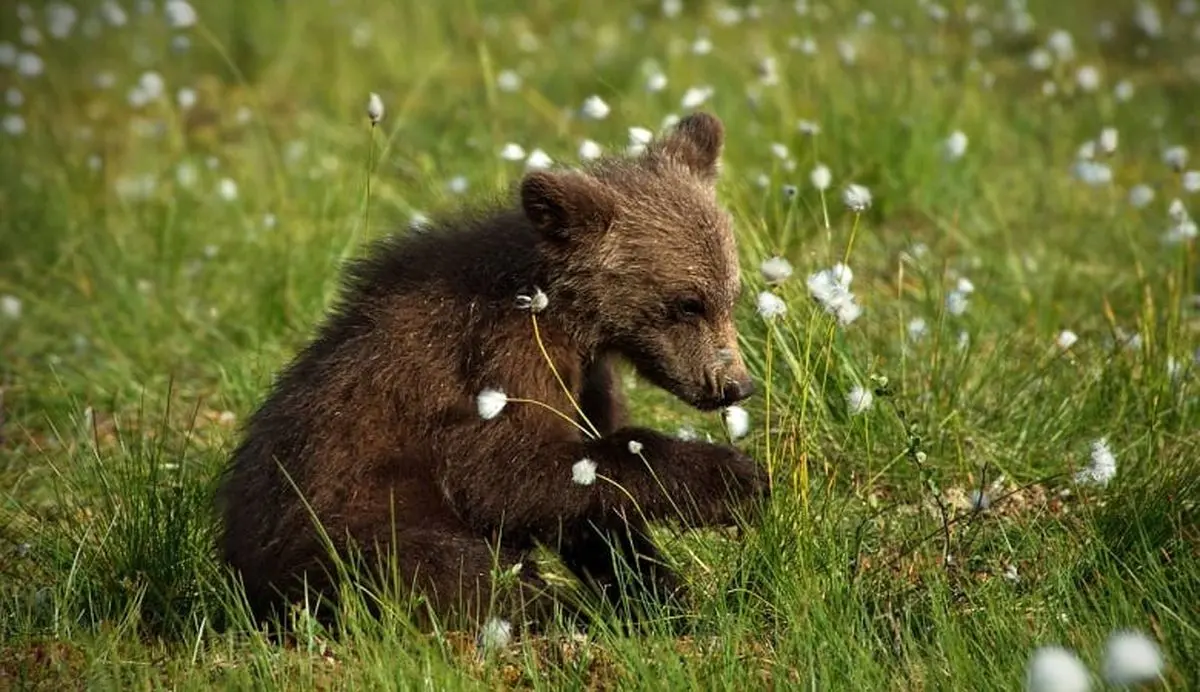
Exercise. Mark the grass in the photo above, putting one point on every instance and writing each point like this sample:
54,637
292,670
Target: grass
153,312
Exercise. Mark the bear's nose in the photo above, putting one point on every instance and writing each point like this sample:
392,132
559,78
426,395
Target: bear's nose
737,390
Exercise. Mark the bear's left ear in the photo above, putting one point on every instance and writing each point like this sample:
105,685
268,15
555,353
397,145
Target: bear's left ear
560,203
696,142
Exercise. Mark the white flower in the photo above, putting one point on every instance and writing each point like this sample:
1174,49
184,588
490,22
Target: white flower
1066,339
639,137
831,288
1108,140
589,150
770,305
508,81
1102,467
702,46
821,177
458,184
186,98
1088,78
374,108
955,145
859,400
30,65
227,189
61,18
635,447
808,127
790,191
1040,59
583,472
512,152
538,159
490,402
1055,669
856,197
1148,19
595,108
780,151
1176,157
1062,44
180,14
534,303
656,82
737,421
10,307
687,434
776,270
980,500
696,96
1191,181
1130,658
496,633
1140,195
917,328
957,302
1123,91
1010,573
113,13
13,124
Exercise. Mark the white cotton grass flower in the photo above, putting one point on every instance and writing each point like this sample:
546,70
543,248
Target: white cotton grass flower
859,400
790,191
980,500
595,108
957,302
821,177
490,402
656,82
1108,140
770,305
1063,45
639,138
695,97
512,152
1191,181
1088,77
1123,91
955,146
776,270
496,633
227,189
589,150
538,160
736,420
533,303
374,108
1176,157
1141,195
13,124
1102,465
635,447
1066,339
508,81
1056,669
917,328
831,288
1131,658
583,472
10,307
857,198
180,14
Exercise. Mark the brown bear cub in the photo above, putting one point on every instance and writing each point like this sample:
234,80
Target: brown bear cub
408,426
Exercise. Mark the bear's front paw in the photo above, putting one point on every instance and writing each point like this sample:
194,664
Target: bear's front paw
729,479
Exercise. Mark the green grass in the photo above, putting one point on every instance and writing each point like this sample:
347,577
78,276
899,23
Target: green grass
150,324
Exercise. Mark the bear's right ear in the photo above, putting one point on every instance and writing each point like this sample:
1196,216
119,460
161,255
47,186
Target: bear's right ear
559,203
696,142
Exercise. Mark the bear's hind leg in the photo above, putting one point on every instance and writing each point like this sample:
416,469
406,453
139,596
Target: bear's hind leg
624,566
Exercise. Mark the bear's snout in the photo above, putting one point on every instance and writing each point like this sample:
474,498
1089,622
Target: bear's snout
737,389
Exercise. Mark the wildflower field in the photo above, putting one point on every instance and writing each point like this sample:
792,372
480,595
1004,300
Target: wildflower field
972,310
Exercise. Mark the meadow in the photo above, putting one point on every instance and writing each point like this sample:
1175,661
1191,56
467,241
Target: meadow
979,370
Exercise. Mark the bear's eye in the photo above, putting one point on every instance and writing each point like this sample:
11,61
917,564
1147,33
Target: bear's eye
689,307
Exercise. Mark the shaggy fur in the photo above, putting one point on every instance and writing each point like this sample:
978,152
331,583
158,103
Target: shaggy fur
375,423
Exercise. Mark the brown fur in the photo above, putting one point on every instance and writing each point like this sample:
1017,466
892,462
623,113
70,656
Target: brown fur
376,424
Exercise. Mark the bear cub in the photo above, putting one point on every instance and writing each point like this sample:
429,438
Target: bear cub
425,429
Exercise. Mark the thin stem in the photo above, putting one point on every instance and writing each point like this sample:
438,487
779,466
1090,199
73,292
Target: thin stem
537,335
553,410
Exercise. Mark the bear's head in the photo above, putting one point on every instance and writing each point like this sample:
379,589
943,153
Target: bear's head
640,254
